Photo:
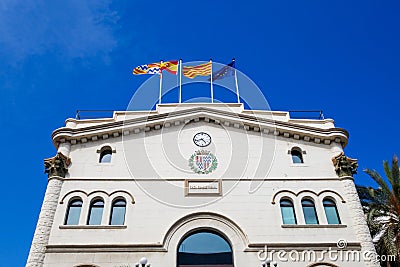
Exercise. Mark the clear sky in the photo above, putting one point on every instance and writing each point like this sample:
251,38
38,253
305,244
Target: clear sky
59,56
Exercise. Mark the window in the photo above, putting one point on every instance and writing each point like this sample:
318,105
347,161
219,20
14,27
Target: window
297,155
287,210
332,215
204,248
96,212
118,212
73,212
309,212
105,154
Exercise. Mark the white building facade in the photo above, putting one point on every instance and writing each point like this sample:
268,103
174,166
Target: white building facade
279,191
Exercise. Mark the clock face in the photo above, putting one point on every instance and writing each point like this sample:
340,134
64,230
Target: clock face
202,139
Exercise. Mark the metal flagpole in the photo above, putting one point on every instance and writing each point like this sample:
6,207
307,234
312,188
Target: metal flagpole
180,80
211,79
236,81
159,96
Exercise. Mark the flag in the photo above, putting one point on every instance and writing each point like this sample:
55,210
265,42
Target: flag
153,68
226,71
199,70
156,68
170,66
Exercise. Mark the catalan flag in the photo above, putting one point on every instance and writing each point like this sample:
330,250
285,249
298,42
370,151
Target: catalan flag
199,70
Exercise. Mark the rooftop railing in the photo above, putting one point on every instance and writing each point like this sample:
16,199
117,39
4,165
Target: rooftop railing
108,113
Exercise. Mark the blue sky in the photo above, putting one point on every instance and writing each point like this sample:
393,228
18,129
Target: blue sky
59,56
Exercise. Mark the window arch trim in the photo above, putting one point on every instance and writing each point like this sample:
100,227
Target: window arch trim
104,151
97,220
297,155
290,212
336,217
118,212
68,214
310,215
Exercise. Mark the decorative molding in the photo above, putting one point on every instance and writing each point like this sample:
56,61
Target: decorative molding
106,179
244,121
98,191
322,264
204,216
306,191
57,165
84,227
105,248
344,166
255,247
313,226
156,247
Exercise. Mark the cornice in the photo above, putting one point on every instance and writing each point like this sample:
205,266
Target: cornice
156,247
249,122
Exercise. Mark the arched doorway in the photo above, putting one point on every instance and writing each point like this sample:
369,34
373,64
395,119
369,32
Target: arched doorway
204,249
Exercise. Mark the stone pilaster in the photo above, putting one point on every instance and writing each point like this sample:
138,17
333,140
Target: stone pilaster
56,168
45,222
360,223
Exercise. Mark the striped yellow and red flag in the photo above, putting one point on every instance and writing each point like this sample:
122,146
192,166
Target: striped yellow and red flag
199,70
170,66
157,68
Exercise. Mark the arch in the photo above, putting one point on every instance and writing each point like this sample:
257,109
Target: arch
118,211
287,211
206,221
96,210
98,191
306,191
309,211
297,155
322,264
331,211
204,247
73,212
105,154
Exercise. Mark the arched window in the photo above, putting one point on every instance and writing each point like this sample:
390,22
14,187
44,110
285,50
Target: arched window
204,248
118,212
310,215
73,212
287,211
105,154
331,212
297,155
95,212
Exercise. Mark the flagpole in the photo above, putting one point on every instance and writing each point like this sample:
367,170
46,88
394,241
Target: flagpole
159,96
180,80
236,81
211,78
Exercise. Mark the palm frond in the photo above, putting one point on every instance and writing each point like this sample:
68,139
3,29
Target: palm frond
379,180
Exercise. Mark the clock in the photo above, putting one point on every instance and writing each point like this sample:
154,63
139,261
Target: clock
202,139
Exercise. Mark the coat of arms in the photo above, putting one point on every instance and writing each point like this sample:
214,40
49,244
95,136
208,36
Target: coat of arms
203,162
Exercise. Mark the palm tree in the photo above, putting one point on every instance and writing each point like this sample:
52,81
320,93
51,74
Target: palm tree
382,209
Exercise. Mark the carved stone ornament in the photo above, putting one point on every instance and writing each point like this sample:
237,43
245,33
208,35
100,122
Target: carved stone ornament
57,165
344,166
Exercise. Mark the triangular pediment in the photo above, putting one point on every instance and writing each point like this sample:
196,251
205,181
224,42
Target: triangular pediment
267,122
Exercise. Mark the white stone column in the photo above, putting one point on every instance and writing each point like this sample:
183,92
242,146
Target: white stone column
360,223
46,216
45,222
